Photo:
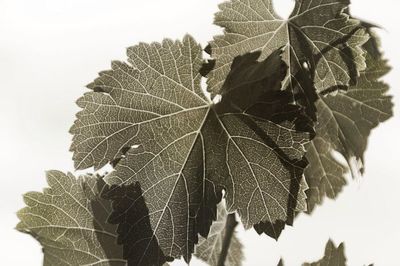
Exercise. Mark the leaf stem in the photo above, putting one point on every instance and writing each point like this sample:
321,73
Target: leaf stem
229,229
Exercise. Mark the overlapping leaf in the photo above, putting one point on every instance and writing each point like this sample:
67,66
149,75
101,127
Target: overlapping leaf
183,149
345,121
318,36
69,221
208,249
135,229
274,229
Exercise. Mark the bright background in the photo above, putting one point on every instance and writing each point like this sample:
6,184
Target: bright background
50,49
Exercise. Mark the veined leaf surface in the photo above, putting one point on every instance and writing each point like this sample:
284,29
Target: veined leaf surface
182,149
334,256
345,121
209,249
69,221
318,35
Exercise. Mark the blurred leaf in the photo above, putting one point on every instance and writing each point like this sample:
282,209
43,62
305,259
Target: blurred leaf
334,256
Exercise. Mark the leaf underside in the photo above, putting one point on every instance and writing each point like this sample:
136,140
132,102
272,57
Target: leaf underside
152,117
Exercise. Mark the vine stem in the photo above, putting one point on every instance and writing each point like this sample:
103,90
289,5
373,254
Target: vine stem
229,229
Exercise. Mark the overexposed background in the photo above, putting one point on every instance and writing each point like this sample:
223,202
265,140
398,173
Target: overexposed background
50,49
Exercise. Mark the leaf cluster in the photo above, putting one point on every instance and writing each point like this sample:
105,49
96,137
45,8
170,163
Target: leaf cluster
283,96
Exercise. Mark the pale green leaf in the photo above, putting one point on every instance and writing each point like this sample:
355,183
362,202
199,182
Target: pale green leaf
69,221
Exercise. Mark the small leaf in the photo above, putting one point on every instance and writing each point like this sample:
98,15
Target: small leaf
324,175
208,249
69,221
334,256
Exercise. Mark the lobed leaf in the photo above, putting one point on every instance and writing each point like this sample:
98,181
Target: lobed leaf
69,221
345,121
181,149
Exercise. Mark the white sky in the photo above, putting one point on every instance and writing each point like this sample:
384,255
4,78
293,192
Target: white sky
50,49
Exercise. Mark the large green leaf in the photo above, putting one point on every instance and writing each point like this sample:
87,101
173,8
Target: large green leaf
182,149
318,35
69,221
345,121
208,249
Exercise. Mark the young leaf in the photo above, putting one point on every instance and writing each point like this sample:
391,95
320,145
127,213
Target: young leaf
334,256
208,249
345,121
318,33
189,148
69,221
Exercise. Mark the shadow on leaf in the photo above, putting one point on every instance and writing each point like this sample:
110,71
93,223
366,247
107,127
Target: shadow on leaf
140,246
260,100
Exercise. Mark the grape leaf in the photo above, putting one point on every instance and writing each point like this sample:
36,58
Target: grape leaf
334,256
69,221
318,35
345,121
153,118
208,249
